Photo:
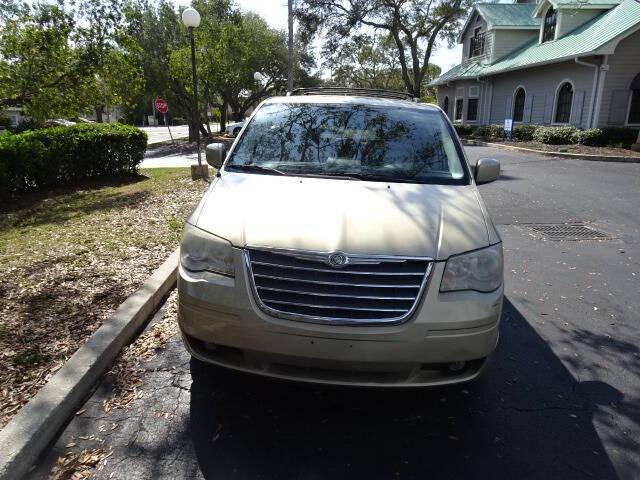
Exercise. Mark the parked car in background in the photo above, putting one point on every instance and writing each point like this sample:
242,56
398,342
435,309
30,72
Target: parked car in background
59,122
345,242
83,120
233,129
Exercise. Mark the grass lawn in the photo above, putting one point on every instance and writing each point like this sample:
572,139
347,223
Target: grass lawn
69,257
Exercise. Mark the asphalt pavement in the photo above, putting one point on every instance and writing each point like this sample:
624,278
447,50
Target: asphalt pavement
559,399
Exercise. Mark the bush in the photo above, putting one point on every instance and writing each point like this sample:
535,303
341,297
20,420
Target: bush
524,132
5,122
489,131
25,124
60,155
464,130
555,135
607,137
616,136
178,121
593,137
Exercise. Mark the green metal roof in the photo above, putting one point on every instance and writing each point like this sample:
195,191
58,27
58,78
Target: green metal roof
508,14
584,40
576,4
460,72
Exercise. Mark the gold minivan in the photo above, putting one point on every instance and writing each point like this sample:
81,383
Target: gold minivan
343,241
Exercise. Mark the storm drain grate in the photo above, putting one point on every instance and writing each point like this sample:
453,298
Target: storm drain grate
568,231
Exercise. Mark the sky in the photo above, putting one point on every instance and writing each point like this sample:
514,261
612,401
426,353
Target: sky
275,13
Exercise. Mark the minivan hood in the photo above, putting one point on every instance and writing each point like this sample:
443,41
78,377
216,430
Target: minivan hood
357,217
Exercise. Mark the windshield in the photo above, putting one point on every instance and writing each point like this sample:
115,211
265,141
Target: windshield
368,142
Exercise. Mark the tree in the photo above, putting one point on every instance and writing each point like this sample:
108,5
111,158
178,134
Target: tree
50,53
152,32
414,26
371,61
119,81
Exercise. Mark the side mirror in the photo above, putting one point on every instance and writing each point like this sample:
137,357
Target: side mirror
215,154
487,170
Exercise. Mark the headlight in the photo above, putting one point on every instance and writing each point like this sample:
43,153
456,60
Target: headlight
480,270
201,251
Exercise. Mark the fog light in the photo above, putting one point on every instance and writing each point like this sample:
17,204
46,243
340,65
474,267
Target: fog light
457,366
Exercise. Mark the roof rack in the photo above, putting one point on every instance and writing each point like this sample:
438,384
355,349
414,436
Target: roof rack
365,92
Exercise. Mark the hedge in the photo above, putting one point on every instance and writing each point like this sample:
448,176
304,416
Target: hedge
555,135
607,137
60,155
488,131
594,137
463,130
524,131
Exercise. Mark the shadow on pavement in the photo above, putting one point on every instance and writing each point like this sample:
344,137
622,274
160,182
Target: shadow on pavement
527,417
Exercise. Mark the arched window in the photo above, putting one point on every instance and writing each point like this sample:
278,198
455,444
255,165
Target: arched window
518,105
563,103
445,105
549,27
634,102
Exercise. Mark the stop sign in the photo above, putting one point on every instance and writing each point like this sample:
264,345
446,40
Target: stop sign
161,105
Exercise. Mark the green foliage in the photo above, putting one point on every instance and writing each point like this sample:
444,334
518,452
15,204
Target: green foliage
464,130
51,52
524,131
59,155
555,135
590,137
371,61
414,27
606,137
5,122
619,136
24,125
488,131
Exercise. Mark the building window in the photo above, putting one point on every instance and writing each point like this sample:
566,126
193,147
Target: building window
549,27
634,102
445,105
563,103
518,105
472,109
634,108
459,107
476,45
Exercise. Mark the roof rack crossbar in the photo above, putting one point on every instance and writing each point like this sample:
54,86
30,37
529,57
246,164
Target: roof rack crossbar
367,92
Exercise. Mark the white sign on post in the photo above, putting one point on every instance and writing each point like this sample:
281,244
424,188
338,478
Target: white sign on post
508,127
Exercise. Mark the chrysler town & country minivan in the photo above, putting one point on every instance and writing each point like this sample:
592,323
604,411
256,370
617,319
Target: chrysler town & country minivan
343,241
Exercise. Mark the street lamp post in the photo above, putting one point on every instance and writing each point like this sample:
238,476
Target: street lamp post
191,20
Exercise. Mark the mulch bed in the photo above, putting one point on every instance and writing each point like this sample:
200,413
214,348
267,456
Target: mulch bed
69,258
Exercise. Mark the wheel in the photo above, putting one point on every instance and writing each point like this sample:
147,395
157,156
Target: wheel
236,131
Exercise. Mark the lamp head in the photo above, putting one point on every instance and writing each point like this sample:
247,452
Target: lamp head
190,17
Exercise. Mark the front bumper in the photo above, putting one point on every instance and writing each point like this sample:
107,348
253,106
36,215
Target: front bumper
222,324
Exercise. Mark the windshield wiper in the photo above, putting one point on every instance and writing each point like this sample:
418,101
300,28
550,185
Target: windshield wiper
255,168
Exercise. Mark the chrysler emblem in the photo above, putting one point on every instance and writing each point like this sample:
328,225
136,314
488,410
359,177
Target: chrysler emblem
338,259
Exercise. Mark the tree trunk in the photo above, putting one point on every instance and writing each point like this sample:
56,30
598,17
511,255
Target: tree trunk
193,128
417,84
99,111
223,115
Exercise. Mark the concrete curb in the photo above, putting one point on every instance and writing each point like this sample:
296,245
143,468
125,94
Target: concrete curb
574,156
29,433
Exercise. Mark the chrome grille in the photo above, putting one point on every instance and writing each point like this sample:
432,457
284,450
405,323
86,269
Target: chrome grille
303,286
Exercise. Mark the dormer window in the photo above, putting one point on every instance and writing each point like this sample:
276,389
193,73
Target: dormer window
476,45
549,26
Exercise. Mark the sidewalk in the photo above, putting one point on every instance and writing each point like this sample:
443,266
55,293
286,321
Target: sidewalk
160,133
171,161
